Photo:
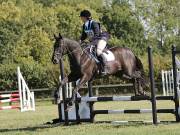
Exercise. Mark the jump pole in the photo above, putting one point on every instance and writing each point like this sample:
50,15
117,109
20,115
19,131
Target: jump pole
176,97
91,103
152,83
153,98
64,96
77,108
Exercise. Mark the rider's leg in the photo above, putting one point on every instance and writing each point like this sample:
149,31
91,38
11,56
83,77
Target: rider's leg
100,47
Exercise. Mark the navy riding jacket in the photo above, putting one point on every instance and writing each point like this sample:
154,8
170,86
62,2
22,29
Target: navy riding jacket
92,31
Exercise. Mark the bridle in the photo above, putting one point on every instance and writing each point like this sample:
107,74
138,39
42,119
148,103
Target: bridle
70,52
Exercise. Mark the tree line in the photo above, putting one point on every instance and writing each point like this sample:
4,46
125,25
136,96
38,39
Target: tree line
27,28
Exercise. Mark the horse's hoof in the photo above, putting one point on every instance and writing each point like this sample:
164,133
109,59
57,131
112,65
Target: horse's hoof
140,93
69,105
144,94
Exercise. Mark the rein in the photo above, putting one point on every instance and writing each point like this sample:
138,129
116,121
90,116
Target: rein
83,51
69,53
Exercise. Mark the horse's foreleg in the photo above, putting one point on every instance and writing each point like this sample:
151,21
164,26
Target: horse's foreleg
58,91
66,79
82,81
70,78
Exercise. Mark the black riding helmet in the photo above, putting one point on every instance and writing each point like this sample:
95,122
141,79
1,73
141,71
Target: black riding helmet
85,13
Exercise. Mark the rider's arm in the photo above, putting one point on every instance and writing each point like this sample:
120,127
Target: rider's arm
83,35
96,29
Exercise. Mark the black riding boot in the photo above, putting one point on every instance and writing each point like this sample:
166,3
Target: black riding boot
102,65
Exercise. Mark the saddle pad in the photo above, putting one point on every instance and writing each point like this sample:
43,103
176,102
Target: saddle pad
108,56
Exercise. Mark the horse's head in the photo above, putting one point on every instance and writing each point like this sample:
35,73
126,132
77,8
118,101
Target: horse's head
59,49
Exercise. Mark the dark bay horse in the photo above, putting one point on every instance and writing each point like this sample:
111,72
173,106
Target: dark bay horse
83,67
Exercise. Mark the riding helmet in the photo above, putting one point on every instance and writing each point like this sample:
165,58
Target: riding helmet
85,13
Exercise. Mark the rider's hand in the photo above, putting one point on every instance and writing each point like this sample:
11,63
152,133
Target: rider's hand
83,42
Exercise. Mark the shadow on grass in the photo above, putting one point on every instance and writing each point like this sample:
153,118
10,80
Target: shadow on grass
124,124
115,125
45,126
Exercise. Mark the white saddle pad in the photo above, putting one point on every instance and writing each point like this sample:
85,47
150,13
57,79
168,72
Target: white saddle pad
108,56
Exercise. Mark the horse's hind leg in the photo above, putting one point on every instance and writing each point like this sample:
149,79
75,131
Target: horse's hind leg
138,89
134,86
138,78
128,74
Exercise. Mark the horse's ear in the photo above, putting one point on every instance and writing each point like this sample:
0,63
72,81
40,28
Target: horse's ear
60,36
55,36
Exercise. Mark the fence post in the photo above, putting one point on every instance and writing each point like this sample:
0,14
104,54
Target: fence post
97,91
176,98
91,103
153,98
64,95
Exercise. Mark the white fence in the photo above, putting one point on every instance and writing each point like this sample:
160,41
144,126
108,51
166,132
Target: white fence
168,79
27,102
68,90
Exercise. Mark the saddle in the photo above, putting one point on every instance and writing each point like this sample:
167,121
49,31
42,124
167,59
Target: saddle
107,54
108,58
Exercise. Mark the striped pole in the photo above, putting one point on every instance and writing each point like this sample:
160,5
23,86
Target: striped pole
24,96
9,95
133,111
9,107
9,100
116,123
122,98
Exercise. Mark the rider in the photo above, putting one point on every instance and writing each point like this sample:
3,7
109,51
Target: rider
92,31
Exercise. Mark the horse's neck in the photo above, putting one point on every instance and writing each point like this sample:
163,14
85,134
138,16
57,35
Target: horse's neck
78,56
74,56
74,60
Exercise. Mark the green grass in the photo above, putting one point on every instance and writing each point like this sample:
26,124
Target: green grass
13,122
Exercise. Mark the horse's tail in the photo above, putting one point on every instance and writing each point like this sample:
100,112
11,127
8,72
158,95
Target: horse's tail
139,67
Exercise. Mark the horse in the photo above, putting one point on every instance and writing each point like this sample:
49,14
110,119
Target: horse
84,68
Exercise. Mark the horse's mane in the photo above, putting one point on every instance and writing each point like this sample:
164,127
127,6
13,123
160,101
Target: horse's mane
72,43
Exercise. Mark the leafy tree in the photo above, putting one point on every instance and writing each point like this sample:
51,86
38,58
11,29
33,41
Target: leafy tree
124,27
162,21
27,28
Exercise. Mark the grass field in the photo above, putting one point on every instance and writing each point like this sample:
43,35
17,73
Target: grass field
13,122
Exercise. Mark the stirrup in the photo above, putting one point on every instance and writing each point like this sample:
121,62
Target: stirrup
104,73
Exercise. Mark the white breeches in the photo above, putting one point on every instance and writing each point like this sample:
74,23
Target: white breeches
100,46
